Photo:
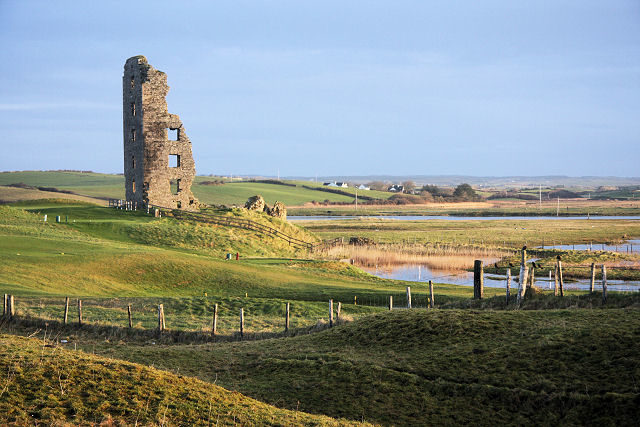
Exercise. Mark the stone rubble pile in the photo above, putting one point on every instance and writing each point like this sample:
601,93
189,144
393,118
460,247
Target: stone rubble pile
257,203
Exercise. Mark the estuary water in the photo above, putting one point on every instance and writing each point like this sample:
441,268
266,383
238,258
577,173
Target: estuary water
422,273
452,218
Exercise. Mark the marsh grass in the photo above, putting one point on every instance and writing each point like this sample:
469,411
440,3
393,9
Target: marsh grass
507,233
437,257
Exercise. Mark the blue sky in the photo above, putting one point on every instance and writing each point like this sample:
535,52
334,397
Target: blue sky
332,87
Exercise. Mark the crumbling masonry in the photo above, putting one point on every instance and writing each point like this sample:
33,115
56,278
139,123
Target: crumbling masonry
158,162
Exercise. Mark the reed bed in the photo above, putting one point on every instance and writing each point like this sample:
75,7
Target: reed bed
439,257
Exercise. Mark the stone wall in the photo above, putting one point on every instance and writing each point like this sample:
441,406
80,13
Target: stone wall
158,170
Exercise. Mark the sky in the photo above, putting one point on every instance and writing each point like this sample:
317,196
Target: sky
342,88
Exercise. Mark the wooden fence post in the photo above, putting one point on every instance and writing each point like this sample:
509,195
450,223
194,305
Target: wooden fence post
593,277
355,300
478,279
241,323
330,313
431,295
604,284
214,324
560,277
338,311
286,317
80,312
408,296
532,277
522,283
129,316
161,324
66,309
508,283
390,302
555,279
5,301
524,271
12,306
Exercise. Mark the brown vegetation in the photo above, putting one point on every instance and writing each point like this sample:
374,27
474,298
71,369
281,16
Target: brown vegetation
439,257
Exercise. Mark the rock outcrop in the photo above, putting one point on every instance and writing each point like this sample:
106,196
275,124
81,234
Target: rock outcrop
279,210
255,203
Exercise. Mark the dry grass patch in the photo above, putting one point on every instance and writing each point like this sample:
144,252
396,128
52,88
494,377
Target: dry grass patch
439,257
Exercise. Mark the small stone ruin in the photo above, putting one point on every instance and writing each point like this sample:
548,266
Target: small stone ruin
279,211
257,203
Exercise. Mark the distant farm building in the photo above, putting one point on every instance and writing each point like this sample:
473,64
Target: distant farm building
396,188
336,184
363,187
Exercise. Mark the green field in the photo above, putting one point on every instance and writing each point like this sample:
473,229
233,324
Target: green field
107,186
237,193
554,361
87,184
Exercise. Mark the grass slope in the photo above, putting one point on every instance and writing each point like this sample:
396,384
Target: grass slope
88,184
436,367
107,252
12,195
43,383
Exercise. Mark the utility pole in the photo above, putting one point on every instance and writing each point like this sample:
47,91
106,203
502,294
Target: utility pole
356,198
540,194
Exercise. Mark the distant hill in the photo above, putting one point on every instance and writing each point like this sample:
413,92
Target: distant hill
489,181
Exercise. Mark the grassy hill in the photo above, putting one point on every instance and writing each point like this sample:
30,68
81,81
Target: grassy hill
551,367
436,367
52,385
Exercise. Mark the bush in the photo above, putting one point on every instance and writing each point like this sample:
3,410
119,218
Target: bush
465,192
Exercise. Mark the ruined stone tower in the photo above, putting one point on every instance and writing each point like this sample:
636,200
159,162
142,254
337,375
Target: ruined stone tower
158,162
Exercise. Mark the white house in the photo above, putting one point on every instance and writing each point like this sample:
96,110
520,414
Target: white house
363,187
396,188
335,184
